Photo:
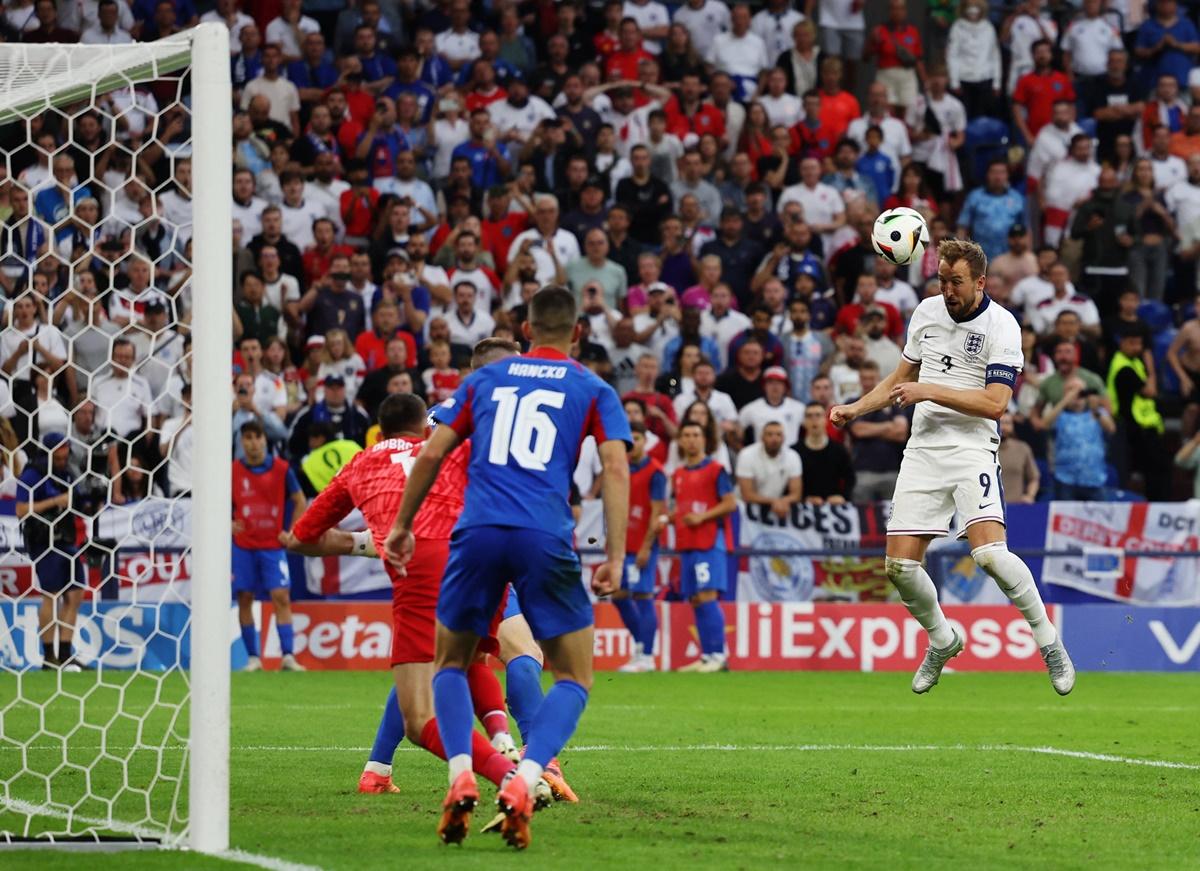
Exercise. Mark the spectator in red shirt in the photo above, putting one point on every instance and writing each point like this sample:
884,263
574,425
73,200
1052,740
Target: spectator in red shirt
622,64
660,411
317,259
812,136
1038,91
688,117
848,318
838,106
372,344
502,226
359,205
896,47
345,128
608,40
482,90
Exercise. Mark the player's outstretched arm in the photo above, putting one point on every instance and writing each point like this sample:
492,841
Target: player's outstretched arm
614,491
878,398
399,545
333,542
989,402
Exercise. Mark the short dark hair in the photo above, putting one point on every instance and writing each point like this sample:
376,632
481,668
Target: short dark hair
552,312
401,412
252,427
491,349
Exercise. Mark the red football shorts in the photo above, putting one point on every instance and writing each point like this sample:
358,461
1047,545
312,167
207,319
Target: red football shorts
414,605
414,602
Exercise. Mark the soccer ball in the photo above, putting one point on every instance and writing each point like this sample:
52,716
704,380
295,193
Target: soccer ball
900,235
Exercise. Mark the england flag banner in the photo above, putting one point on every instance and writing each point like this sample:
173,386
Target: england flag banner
1101,533
346,575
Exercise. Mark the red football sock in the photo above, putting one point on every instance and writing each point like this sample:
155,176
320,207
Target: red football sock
488,698
431,740
485,761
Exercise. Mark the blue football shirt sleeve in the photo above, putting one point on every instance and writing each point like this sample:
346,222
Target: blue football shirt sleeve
658,487
607,421
456,411
292,483
420,298
724,484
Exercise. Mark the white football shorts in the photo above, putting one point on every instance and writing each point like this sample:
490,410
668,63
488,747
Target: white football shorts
935,482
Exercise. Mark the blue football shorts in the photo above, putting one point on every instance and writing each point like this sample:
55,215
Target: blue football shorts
259,571
544,571
701,570
637,580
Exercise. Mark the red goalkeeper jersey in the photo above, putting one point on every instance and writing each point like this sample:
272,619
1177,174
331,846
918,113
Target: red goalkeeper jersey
373,482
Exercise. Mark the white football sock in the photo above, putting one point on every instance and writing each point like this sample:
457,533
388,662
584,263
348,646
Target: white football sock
530,772
378,768
919,596
1015,579
458,764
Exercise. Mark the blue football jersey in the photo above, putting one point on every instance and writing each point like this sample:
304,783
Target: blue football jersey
527,418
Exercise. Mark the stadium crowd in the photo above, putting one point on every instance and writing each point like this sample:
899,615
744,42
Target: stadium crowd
703,176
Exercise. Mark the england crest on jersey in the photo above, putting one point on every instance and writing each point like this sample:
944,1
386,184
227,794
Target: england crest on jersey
973,344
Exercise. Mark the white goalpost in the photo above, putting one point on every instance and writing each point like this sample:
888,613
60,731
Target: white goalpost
124,739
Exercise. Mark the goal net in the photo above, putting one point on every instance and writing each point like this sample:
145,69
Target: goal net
115,301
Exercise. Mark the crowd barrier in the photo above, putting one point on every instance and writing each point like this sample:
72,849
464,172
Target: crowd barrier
759,636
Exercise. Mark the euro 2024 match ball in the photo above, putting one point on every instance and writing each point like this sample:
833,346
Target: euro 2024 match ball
900,235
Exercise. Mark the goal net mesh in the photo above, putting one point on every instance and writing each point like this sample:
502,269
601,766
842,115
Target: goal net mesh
95,440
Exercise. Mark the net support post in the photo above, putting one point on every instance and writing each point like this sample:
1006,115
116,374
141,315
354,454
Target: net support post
212,306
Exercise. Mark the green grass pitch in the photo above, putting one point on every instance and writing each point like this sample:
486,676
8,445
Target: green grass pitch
738,770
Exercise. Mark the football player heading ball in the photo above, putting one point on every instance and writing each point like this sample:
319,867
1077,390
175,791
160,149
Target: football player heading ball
959,367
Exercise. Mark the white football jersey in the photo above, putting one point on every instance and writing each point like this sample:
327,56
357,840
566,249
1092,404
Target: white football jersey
984,349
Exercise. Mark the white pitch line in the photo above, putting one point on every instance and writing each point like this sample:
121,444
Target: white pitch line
718,748
270,863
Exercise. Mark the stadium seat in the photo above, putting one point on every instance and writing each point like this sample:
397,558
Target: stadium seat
1167,379
987,139
1116,494
1088,126
1157,315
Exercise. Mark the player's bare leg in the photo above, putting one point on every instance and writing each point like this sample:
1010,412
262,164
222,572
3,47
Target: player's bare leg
282,601
990,550
245,600
905,553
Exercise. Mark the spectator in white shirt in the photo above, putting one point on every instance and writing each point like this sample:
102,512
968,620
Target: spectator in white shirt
107,29
1184,199
1087,42
1067,185
1046,312
703,389
1169,170
125,398
769,473
653,20
298,213
774,24
741,54
282,94
228,14
247,208
1053,140
776,405
459,45
879,114
289,29
1025,27
824,210
468,324
973,59
704,20
518,116
781,107
547,236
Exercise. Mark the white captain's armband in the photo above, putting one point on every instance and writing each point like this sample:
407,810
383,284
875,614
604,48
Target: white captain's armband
1000,374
